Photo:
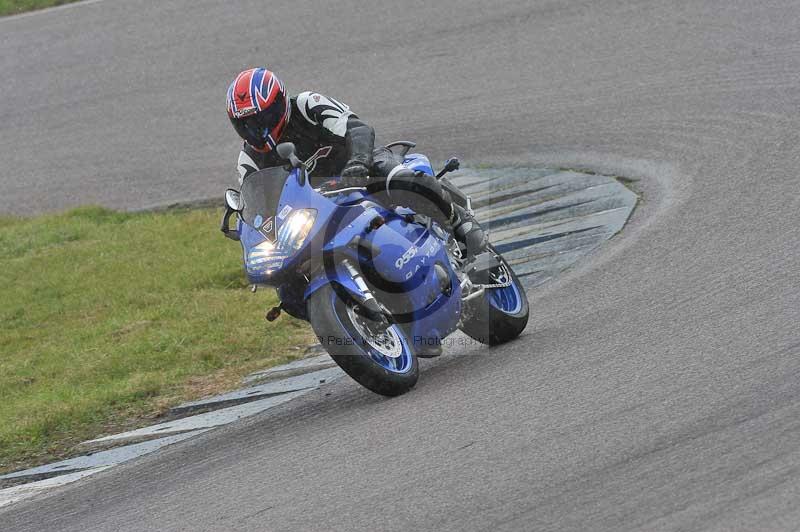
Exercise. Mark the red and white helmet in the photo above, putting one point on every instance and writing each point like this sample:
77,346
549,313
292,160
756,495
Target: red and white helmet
258,108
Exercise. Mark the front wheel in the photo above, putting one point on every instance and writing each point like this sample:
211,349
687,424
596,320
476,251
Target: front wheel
378,356
500,314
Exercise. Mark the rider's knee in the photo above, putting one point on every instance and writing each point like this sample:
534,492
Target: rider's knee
384,161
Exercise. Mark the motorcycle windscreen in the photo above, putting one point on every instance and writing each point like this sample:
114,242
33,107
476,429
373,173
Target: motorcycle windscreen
260,193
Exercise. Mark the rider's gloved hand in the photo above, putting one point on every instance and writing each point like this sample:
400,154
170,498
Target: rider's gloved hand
355,174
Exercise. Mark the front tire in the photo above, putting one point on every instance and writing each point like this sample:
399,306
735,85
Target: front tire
378,357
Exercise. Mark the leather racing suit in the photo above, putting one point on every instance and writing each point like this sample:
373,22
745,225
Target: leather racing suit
329,137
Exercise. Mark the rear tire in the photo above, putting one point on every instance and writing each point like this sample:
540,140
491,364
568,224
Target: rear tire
488,324
346,336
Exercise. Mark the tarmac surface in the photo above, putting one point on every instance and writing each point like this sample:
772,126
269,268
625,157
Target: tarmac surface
657,386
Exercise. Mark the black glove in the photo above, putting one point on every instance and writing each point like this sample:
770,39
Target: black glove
354,174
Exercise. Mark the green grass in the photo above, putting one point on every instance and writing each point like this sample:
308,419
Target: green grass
108,318
12,7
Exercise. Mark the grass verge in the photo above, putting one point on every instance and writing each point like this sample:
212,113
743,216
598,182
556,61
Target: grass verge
12,7
109,318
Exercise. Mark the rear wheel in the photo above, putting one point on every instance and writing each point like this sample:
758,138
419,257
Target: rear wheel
378,356
500,314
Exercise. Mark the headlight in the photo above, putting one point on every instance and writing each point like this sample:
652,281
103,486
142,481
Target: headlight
267,257
295,229
263,258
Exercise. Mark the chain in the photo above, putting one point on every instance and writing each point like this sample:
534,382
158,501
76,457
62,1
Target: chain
500,284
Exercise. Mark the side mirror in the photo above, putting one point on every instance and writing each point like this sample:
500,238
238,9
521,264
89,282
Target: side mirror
233,200
287,150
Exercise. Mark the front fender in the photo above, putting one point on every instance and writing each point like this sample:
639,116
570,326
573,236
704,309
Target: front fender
349,284
341,276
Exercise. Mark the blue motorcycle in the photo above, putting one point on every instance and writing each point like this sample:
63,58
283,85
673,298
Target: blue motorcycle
380,285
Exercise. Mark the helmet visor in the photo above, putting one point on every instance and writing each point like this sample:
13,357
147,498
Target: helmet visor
259,129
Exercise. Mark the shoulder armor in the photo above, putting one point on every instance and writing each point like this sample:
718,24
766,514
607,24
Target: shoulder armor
318,109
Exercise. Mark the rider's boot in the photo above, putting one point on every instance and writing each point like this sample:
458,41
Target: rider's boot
467,230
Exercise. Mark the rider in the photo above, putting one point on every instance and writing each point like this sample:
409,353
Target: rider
334,141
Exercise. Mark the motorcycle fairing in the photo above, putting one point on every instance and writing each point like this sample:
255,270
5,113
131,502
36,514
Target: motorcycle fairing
402,269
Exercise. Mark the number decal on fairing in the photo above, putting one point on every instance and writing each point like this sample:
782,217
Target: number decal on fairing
407,256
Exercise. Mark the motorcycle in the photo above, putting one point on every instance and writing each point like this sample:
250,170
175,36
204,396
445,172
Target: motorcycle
380,285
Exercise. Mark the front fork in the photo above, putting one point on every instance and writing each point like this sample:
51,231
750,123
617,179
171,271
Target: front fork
366,304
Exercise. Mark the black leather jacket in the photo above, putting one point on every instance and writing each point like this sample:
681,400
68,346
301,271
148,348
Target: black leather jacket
320,128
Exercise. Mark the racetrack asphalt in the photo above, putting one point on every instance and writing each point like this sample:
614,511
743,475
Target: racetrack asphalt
657,386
